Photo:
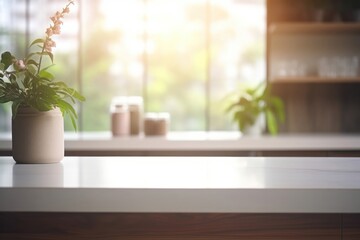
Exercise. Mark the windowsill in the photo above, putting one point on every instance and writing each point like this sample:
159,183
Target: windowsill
204,141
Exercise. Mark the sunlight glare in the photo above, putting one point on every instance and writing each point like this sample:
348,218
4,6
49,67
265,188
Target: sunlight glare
126,15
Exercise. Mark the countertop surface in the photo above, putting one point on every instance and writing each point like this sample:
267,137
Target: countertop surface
205,141
182,184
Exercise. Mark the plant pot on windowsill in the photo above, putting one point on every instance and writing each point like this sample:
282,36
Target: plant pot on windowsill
257,128
255,108
38,137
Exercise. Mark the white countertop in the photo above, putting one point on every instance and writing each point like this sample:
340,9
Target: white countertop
205,141
183,184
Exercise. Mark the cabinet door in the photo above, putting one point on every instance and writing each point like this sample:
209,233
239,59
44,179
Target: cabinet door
170,226
351,227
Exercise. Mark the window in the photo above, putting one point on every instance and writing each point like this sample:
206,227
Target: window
182,57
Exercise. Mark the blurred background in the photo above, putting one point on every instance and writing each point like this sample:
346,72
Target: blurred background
183,57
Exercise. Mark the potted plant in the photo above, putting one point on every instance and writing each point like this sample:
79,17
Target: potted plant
254,106
38,101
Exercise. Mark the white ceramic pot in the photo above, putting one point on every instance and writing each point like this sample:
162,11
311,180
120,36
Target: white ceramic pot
38,137
257,128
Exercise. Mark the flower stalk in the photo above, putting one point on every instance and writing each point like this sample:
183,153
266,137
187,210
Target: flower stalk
55,28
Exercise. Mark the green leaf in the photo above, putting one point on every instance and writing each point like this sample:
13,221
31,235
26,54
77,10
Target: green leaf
73,121
70,91
42,105
15,107
260,90
31,61
67,108
31,55
278,107
41,54
31,69
45,74
8,95
2,67
47,94
13,81
76,94
231,107
271,122
46,68
26,81
48,54
39,40
7,59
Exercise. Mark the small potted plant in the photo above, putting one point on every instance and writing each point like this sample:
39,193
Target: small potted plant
38,101
255,106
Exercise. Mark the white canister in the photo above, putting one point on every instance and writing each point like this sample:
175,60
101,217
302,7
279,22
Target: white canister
120,121
136,114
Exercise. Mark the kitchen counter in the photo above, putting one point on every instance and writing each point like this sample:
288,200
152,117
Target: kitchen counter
142,198
183,184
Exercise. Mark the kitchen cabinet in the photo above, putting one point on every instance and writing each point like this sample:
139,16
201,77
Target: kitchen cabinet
314,52
194,226
313,63
351,226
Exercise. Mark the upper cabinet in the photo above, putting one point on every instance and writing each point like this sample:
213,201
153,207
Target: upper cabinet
313,41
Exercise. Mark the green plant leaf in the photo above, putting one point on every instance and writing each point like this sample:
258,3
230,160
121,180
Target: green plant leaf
51,56
7,59
26,81
40,54
29,56
255,101
12,78
2,67
9,93
260,89
76,94
32,61
278,107
15,107
67,108
70,91
271,122
45,74
36,41
31,69
5,99
46,68
41,105
231,107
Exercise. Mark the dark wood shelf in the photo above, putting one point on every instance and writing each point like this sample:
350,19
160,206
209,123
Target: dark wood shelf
314,27
315,79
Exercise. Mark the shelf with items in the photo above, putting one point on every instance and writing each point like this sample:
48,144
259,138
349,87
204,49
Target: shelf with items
319,70
314,11
313,60
314,79
314,27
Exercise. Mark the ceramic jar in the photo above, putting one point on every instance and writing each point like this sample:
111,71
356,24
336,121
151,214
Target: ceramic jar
38,137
